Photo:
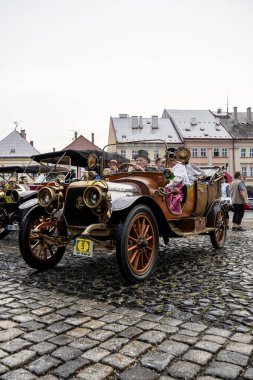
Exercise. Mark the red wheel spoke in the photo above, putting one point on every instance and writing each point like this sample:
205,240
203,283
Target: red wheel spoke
132,247
132,238
133,256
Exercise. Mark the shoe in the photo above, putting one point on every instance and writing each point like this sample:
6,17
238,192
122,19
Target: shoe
238,228
241,229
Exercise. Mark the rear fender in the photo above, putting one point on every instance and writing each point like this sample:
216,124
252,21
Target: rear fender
212,211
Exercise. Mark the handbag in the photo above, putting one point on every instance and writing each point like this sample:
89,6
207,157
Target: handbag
246,206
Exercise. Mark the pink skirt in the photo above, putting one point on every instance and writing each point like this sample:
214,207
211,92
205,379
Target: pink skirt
174,201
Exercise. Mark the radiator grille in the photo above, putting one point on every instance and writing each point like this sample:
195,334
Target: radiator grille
77,217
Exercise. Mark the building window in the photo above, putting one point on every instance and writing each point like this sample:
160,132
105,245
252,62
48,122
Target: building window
123,153
156,153
251,152
134,153
194,152
13,150
251,171
244,171
216,152
243,152
203,152
224,152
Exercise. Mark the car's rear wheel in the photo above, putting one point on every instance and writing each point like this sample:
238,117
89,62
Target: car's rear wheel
36,250
137,244
218,236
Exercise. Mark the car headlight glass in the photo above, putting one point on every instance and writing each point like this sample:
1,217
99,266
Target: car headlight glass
92,196
46,196
2,196
14,196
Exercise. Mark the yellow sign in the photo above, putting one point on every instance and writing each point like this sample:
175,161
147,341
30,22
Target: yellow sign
83,247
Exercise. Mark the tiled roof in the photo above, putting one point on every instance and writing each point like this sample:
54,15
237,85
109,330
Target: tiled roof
14,145
199,124
126,130
241,131
81,143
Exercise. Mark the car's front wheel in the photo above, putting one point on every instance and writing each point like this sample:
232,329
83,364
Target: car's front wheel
38,241
137,244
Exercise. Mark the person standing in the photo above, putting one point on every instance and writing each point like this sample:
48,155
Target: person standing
239,198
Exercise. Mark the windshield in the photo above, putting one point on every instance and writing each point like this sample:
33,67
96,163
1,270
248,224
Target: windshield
134,156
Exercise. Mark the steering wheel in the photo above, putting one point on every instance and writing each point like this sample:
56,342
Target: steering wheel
125,166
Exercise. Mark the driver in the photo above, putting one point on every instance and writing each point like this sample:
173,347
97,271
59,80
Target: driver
141,161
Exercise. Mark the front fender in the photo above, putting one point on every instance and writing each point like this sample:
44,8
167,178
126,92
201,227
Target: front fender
29,204
124,203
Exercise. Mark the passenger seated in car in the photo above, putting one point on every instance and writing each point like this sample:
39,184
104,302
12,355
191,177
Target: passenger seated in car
193,171
173,190
112,168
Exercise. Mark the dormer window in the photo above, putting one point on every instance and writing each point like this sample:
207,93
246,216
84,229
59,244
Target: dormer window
202,129
13,150
123,136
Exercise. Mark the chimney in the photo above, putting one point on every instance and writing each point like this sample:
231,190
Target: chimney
134,121
249,116
23,134
154,121
235,117
53,149
75,135
219,110
140,122
92,138
31,143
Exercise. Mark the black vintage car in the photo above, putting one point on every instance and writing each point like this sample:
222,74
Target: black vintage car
127,211
12,193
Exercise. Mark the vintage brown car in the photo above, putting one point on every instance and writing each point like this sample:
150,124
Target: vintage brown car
127,211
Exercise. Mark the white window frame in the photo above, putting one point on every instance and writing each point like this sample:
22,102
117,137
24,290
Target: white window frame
194,152
215,151
202,152
244,171
243,152
134,153
224,152
156,153
123,153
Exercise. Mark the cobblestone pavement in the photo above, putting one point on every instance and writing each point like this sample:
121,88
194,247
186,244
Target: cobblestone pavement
193,319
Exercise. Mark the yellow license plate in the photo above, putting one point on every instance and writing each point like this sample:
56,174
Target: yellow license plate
83,247
8,199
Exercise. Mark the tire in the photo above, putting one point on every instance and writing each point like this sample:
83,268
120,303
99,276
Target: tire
137,244
35,250
218,236
3,223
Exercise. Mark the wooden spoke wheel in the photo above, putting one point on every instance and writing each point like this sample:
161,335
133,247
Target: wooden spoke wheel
137,244
218,236
38,252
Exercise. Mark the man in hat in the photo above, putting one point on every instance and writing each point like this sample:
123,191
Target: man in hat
142,160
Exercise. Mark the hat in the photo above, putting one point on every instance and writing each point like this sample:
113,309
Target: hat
113,162
171,152
183,153
142,153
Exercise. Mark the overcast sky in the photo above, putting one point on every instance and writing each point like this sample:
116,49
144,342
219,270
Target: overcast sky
68,65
